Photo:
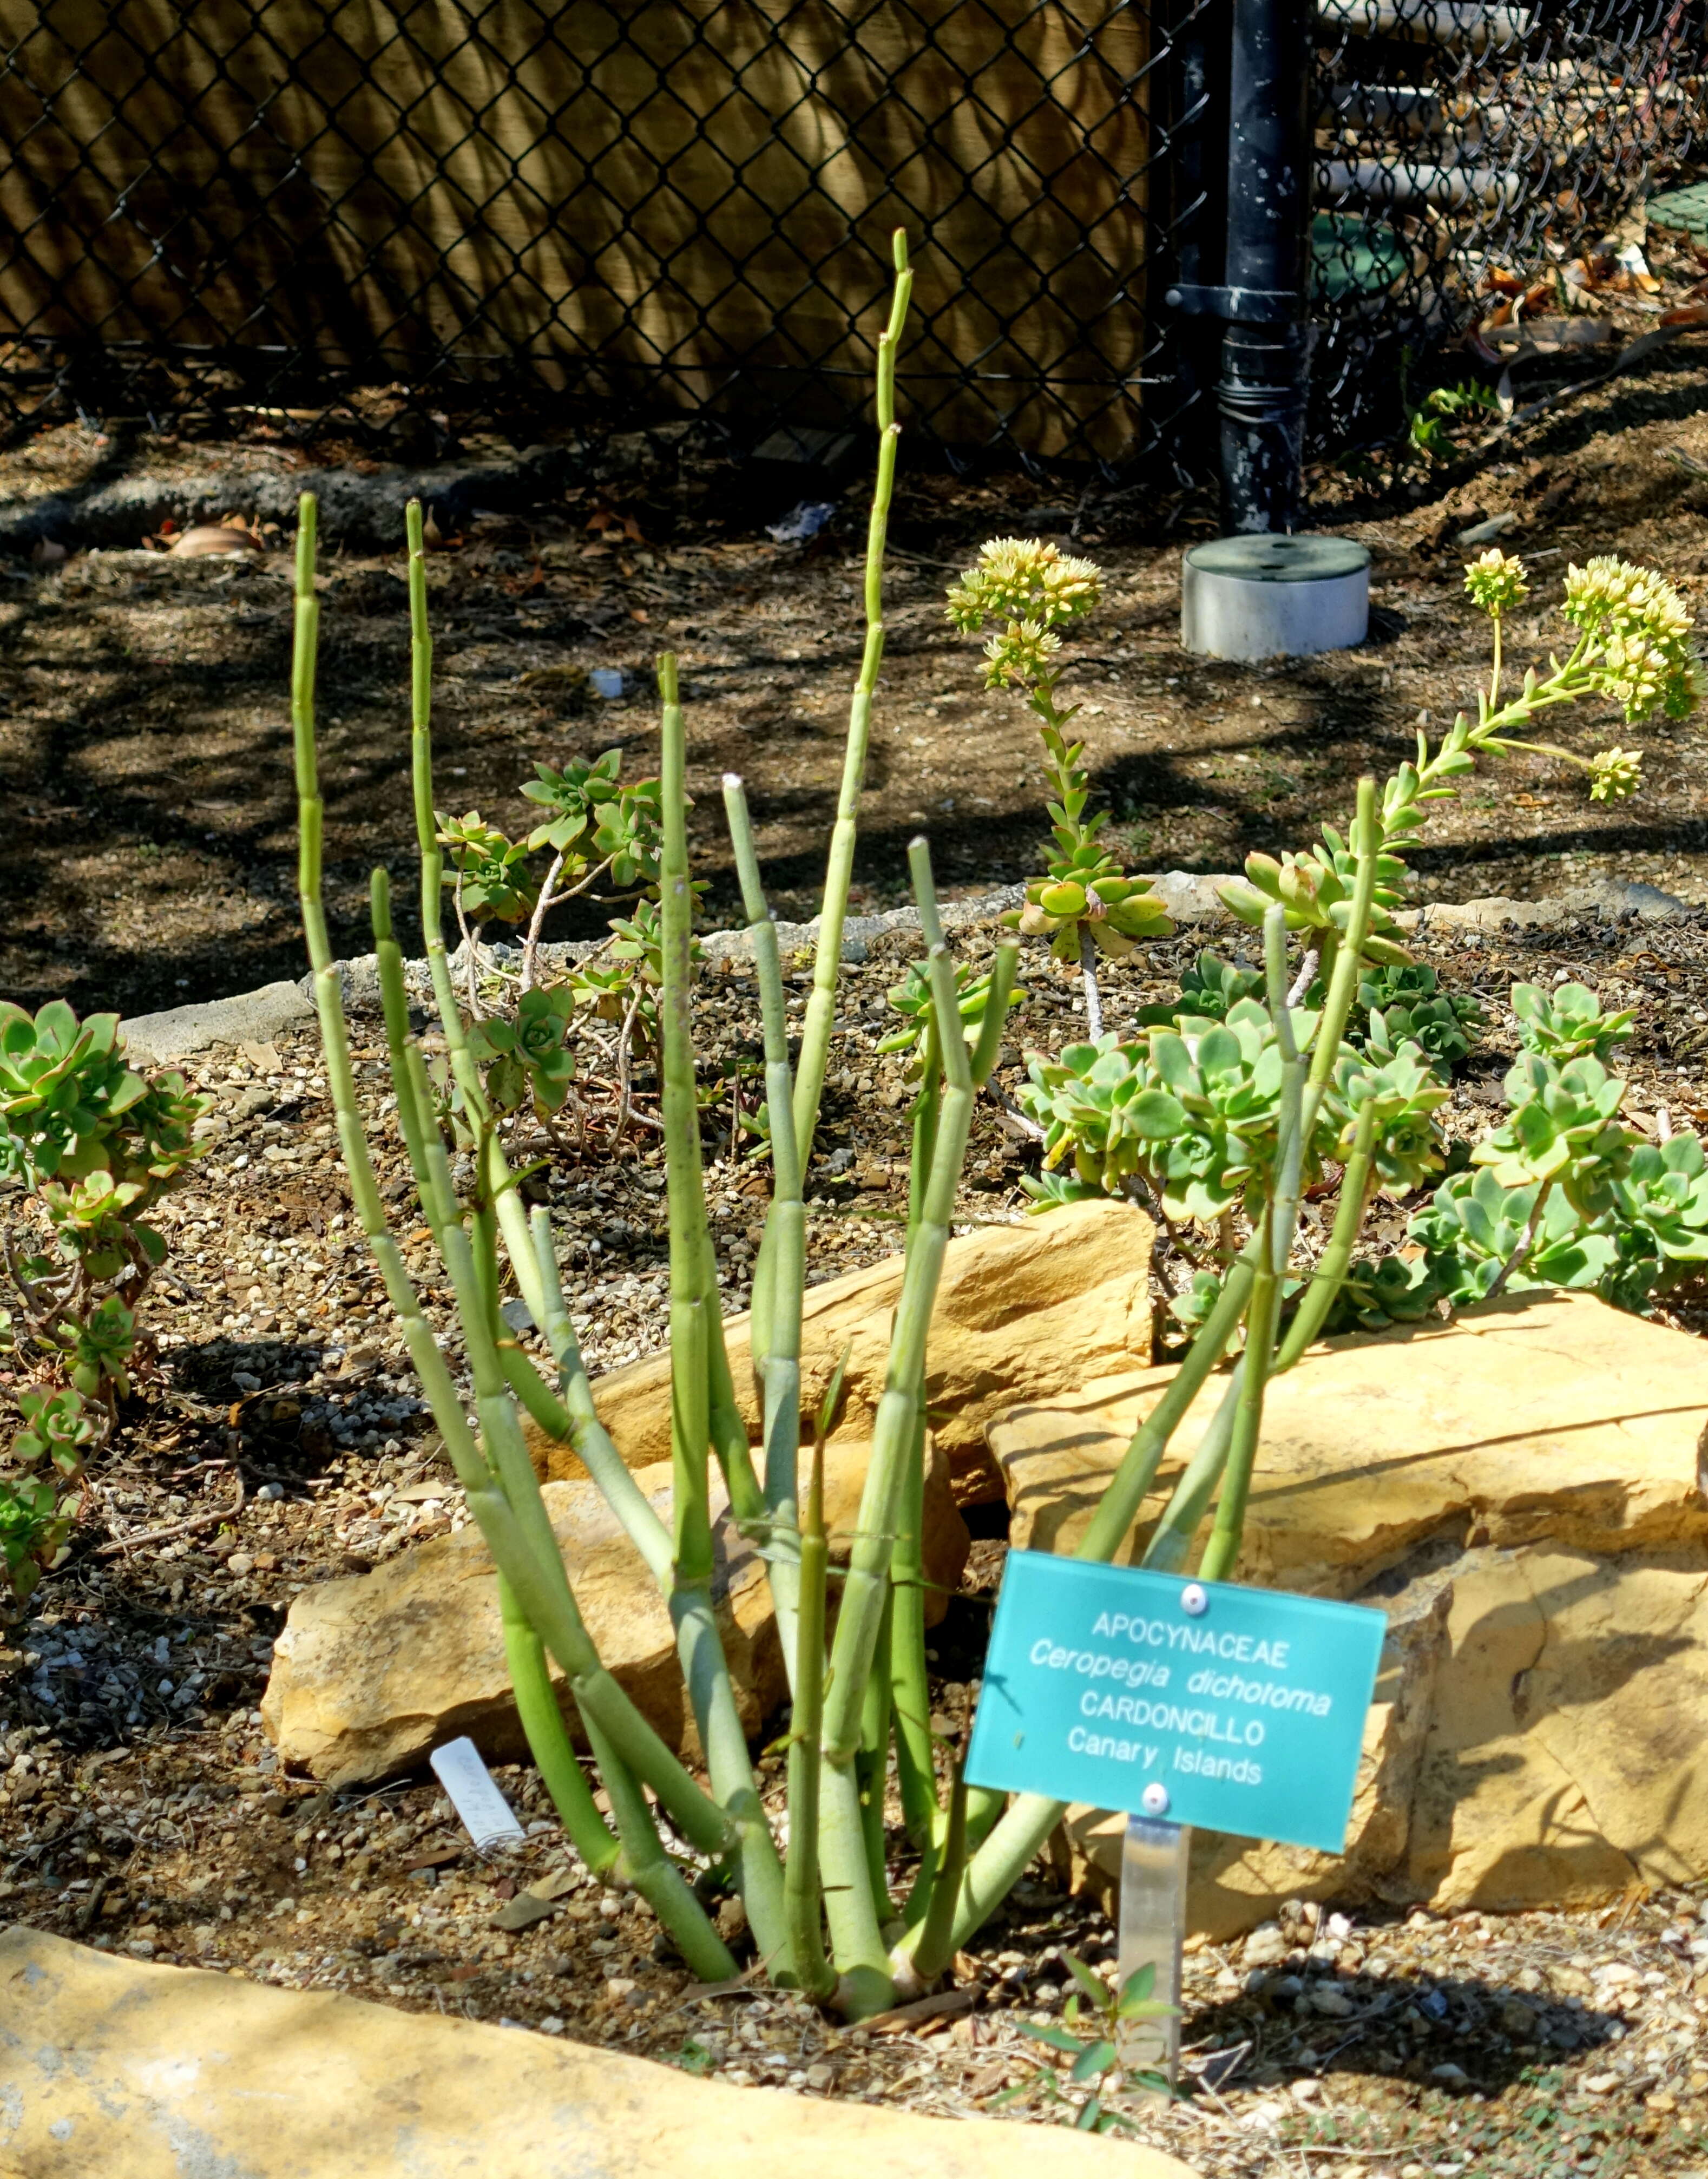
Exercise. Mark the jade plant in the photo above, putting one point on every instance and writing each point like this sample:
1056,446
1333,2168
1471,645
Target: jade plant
89,1146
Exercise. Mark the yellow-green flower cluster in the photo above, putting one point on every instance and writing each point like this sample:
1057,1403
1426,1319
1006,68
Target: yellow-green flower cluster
1020,655
1615,774
1026,581
1498,581
1642,629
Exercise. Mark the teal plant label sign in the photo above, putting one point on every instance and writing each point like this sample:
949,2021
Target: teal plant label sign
1242,1709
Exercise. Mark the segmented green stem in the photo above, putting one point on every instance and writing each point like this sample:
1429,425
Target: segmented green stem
910,1686
909,1681
645,1865
1223,1547
1325,1281
857,1943
872,1762
777,1338
1133,1480
821,1008
548,1737
696,1327
801,1892
511,1531
1275,1241
1170,1541
936,1946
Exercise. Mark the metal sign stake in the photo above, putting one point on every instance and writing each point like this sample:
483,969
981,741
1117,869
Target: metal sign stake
1153,1926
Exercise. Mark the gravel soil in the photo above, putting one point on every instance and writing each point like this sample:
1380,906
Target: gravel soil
144,743
276,1441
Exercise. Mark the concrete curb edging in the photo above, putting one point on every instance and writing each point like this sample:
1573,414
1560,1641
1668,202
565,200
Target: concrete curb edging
252,1017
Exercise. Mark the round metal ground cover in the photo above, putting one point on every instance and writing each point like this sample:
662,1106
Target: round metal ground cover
1274,596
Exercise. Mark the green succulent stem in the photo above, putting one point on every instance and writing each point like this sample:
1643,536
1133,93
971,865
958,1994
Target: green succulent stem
857,1941
644,1863
777,1333
696,1337
821,1007
934,1946
801,1885
514,1529
548,1737
1135,1476
1223,1547
909,1681
871,1762
1325,1280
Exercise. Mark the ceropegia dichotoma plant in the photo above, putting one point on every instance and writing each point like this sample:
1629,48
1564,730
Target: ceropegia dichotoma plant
1280,1095
869,1683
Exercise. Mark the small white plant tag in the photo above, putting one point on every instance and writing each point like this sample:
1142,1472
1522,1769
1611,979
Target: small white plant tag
486,1813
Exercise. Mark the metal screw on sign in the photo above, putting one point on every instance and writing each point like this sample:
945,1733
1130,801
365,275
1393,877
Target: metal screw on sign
1195,1599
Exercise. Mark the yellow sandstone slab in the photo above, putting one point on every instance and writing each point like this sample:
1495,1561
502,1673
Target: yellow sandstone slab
1566,1757
129,2071
1547,1418
1523,1492
371,1673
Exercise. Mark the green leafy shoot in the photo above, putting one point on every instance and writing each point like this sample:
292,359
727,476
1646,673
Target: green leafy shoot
1097,2021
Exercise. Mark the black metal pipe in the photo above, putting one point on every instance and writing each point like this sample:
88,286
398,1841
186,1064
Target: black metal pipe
1266,350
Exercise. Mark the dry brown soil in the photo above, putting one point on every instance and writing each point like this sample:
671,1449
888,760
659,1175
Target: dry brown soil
145,752
279,1440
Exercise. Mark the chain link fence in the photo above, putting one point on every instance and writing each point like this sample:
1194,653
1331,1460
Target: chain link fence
1455,141
531,213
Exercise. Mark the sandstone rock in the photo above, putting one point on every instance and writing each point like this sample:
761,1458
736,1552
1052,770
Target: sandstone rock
1564,1761
1522,1492
1023,1312
1547,1418
155,2072
164,1038
373,1673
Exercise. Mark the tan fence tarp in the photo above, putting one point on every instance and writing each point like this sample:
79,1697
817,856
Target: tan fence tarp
686,190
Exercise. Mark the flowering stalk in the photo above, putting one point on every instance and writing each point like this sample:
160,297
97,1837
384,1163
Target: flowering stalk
1633,648
1087,905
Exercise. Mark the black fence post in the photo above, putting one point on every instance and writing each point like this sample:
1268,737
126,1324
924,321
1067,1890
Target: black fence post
1266,352
1262,298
